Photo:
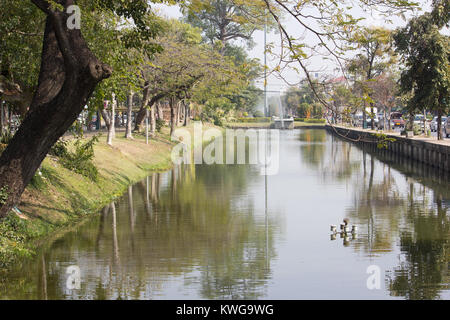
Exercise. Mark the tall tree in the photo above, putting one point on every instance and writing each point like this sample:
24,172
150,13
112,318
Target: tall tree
326,25
68,75
226,20
374,56
427,58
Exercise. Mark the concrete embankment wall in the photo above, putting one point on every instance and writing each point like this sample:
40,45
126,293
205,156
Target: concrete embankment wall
433,154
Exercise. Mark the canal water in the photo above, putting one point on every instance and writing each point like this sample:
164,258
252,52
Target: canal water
225,232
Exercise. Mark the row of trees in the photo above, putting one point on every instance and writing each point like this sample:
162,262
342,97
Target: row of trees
119,50
407,67
50,71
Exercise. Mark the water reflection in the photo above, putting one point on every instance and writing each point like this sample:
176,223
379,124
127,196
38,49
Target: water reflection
176,226
211,232
408,211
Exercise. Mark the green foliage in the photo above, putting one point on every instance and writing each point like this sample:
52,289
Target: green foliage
426,78
315,121
3,194
13,234
79,157
383,141
59,149
304,110
417,129
303,102
225,20
257,114
37,182
159,124
218,121
310,120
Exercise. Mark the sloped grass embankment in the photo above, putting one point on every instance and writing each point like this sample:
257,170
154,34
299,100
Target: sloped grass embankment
59,198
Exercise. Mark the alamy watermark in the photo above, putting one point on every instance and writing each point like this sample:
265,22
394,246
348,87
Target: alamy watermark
73,281
374,280
213,146
74,19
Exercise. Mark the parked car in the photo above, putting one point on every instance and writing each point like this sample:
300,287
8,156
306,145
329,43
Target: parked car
447,127
397,120
433,124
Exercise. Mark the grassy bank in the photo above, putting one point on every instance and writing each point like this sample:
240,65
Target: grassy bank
60,198
298,124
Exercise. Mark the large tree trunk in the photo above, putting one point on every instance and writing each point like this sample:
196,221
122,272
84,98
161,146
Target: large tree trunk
157,111
128,133
69,74
160,112
187,114
145,104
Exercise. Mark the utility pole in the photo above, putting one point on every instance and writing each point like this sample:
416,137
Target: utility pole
266,112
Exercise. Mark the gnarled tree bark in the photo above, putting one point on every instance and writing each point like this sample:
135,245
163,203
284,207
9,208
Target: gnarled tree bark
69,74
146,102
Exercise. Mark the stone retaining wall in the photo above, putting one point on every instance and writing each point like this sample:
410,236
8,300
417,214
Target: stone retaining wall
432,154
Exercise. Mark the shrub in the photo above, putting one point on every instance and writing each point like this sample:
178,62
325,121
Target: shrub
218,121
254,120
383,141
80,160
315,120
3,195
299,119
417,129
258,114
59,149
159,124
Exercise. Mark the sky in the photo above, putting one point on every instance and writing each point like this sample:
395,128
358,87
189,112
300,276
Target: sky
317,64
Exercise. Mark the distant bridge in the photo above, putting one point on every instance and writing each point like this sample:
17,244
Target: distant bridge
280,123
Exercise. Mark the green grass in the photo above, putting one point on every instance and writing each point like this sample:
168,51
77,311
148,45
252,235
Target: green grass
298,124
60,199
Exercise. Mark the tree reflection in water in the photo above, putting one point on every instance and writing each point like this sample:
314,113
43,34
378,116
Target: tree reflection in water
401,203
201,231
188,224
